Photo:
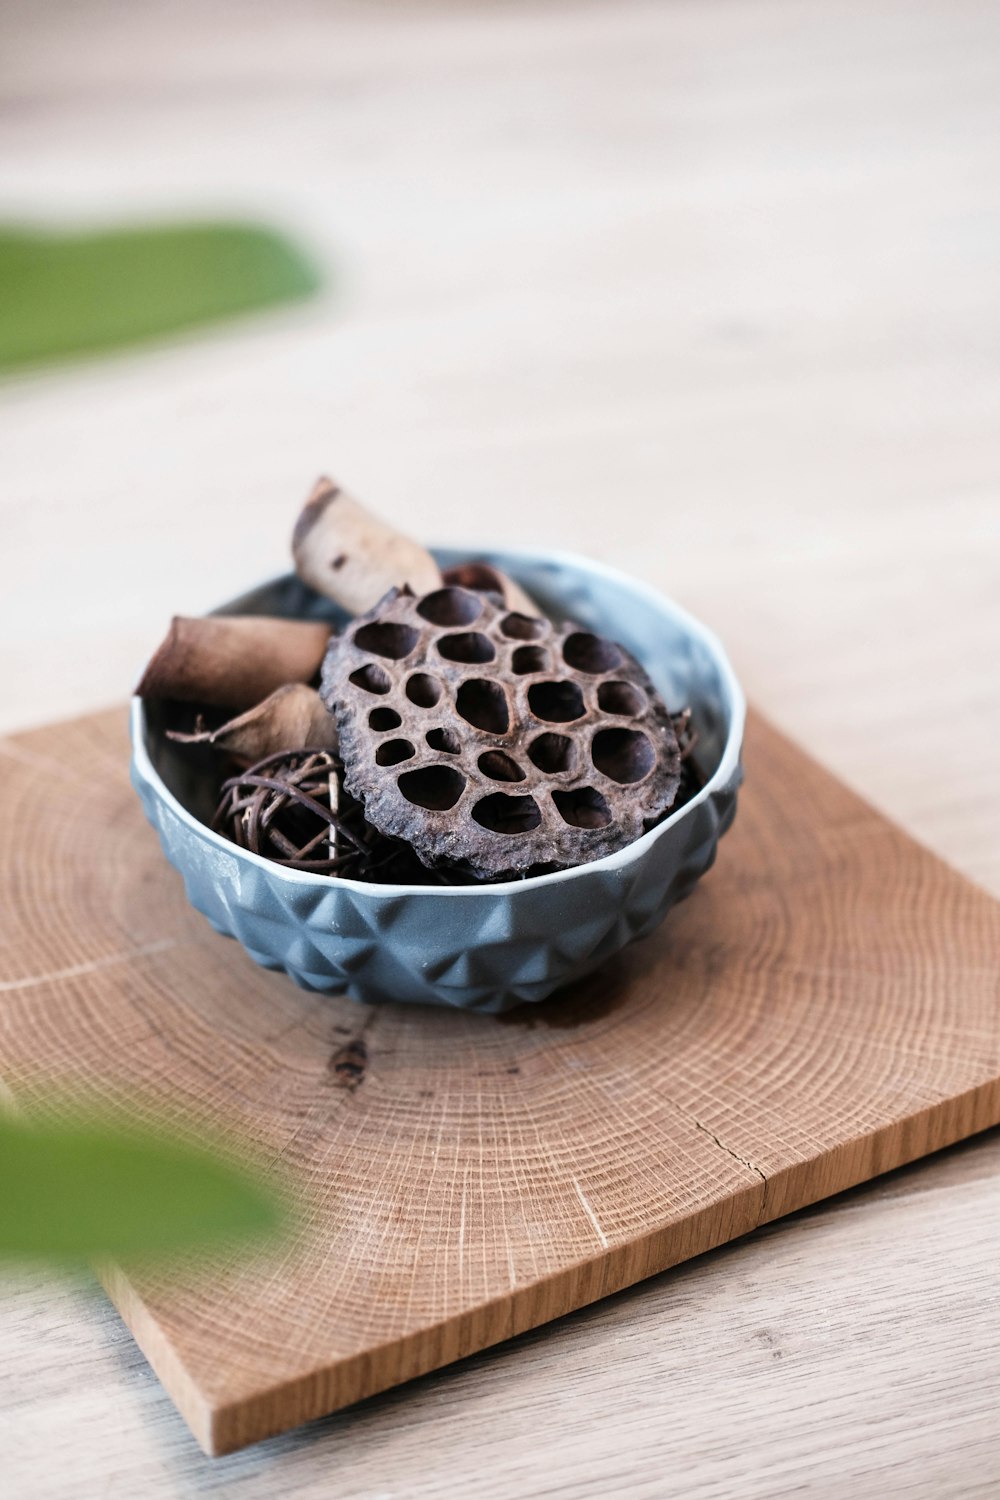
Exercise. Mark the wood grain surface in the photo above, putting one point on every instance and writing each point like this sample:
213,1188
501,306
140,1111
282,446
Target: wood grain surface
705,289
826,1007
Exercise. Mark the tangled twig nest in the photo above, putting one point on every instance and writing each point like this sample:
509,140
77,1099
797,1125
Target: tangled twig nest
285,807
291,808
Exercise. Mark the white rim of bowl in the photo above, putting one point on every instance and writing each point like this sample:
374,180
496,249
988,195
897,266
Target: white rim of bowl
721,777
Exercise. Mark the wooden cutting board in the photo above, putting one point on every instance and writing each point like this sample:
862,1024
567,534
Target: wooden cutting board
825,1007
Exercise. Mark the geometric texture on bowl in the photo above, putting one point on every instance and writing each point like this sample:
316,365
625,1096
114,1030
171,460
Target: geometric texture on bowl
486,947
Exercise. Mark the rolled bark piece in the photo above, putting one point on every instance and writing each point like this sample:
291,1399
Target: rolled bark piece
484,579
233,661
293,717
349,555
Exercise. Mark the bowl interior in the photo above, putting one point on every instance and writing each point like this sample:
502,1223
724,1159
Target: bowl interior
684,660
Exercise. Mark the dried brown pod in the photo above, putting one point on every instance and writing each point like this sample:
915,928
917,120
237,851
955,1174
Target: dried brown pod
233,661
496,740
485,579
291,716
347,554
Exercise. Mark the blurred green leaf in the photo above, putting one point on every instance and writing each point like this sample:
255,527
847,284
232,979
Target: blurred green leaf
74,1190
70,294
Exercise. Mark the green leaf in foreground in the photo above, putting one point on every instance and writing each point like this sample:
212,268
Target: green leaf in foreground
73,1190
70,294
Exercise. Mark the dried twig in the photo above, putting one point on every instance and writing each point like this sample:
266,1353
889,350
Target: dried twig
282,808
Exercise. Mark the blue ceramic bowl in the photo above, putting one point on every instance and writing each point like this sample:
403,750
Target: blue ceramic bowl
482,947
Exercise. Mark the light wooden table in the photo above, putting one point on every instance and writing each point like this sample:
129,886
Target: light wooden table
707,289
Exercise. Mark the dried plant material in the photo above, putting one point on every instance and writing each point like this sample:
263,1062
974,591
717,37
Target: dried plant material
333,797
494,740
346,553
291,808
233,661
279,808
687,734
485,579
291,716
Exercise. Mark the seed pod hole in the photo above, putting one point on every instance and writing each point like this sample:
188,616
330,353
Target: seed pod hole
372,678
386,638
624,755
393,751
483,705
436,788
530,659
591,653
501,813
555,702
499,766
551,753
469,646
450,607
582,808
522,627
478,576
423,689
620,698
445,740
504,743
381,719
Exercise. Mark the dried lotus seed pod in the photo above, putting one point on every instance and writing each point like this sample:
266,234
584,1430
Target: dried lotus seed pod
495,740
